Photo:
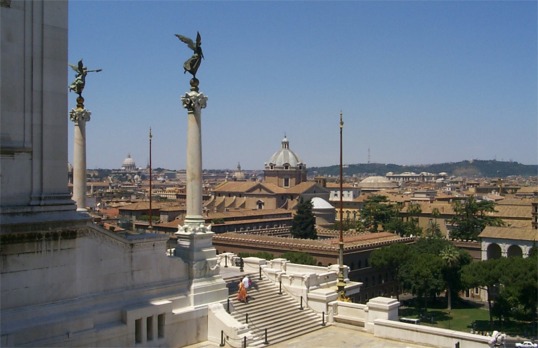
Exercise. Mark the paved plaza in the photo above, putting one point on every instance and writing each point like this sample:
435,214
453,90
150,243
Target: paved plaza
336,336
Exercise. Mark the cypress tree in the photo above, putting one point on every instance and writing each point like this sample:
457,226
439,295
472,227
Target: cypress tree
304,221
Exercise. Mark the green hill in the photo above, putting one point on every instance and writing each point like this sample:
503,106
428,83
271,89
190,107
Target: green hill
474,168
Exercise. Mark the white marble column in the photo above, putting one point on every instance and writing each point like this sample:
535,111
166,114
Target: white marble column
194,238
79,116
194,102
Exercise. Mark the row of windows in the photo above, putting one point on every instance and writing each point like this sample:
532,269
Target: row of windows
494,251
359,264
150,330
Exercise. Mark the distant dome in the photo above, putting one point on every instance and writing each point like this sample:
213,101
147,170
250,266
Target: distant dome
320,204
238,175
285,157
377,183
128,163
324,212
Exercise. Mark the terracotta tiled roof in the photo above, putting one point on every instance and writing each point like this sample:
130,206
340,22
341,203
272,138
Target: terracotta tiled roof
303,187
274,188
346,186
332,245
170,224
513,211
515,201
528,234
245,213
426,208
235,186
141,206
528,189
110,212
246,187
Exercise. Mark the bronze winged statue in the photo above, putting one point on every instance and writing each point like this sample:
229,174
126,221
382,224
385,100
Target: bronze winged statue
79,83
193,63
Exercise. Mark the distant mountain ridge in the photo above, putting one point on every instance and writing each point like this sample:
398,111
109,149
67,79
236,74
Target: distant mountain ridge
474,168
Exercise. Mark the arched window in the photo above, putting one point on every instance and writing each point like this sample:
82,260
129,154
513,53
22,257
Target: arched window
494,251
514,251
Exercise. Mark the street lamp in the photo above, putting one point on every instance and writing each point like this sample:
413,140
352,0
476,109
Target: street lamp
341,284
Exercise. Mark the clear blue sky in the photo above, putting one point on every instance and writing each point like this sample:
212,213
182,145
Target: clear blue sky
418,82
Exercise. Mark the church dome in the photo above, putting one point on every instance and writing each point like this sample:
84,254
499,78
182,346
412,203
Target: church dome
321,204
238,175
285,157
377,183
128,163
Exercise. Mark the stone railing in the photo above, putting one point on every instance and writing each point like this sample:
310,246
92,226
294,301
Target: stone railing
317,288
314,286
225,329
427,335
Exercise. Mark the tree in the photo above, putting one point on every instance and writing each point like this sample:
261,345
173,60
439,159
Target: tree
304,221
299,257
486,274
471,216
433,230
512,284
422,276
403,228
377,211
520,284
391,258
453,261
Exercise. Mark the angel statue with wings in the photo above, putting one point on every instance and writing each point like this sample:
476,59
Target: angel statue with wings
80,79
193,63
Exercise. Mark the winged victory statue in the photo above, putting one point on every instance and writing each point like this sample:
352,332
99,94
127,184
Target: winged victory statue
193,63
79,83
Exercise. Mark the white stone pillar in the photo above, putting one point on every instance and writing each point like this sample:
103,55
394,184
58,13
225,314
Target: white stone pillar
79,116
381,308
194,102
194,238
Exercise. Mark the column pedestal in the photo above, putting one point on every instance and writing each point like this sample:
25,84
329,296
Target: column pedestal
196,249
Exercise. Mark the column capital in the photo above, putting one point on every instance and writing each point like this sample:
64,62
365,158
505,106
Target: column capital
79,115
194,101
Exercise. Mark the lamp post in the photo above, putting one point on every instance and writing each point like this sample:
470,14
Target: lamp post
341,282
150,184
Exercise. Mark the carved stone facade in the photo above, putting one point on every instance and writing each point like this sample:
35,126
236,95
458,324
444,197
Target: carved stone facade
64,281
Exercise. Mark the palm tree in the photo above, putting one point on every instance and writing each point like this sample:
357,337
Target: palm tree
451,260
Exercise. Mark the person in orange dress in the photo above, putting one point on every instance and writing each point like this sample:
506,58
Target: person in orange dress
242,293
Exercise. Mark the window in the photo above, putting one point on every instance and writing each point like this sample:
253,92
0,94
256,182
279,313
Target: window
286,182
138,330
149,328
160,325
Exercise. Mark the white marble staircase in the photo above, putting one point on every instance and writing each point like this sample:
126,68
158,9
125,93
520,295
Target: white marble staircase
267,309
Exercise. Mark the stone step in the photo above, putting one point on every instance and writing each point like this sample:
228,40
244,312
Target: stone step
260,301
268,311
280,314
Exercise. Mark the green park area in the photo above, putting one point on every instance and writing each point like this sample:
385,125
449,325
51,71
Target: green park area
466,316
